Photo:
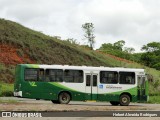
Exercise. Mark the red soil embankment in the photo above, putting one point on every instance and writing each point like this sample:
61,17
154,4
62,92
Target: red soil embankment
8,55
115,57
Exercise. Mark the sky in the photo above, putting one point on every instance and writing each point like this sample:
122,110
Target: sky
137,22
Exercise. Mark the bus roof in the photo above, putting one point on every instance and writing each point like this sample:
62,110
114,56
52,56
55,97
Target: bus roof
81,67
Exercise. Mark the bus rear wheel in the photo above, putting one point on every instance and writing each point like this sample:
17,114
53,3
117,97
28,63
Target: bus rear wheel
114,103
64,98
124,100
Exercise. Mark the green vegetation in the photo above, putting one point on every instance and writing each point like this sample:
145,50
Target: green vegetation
151,57
6,89
8,101
7,73
154,99
89,29
119,50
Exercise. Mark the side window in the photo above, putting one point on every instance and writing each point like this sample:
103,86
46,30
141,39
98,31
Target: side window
31,75
41,75
54,75
127,78
75,76
109,77
88,80
94,80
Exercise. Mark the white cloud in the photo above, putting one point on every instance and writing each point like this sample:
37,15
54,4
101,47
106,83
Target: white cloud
135,21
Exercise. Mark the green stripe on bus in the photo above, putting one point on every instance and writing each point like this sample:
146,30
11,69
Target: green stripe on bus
31,65
131,90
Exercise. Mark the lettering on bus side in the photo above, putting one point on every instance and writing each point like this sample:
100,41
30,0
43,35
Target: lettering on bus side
33,84
113,87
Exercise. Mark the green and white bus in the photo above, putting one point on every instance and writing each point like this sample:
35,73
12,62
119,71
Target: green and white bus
63,83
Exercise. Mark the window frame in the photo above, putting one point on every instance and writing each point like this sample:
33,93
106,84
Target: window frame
132,78
53,75
38,75
94,81
82,77
88,81
117,78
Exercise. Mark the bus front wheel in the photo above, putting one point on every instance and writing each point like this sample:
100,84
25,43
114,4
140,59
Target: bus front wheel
64,98
124,100
114,103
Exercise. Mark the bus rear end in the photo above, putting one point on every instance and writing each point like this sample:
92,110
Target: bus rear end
17,83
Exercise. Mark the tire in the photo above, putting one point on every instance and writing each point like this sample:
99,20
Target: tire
114,103
124,100
64,98
55,101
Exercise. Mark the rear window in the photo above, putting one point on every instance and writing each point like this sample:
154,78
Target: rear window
127,78
31,74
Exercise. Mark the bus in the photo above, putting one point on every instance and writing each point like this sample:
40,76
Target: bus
63,83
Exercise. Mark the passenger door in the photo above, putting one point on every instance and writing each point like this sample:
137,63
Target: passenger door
91,86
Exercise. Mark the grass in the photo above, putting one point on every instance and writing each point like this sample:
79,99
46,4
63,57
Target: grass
6,89
154,99
8,101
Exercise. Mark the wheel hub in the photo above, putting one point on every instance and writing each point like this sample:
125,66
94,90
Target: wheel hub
64,97
124,100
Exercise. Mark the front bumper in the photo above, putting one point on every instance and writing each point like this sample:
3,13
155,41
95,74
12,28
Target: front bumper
18,94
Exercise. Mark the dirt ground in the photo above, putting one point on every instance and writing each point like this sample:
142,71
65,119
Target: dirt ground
42,105
69,107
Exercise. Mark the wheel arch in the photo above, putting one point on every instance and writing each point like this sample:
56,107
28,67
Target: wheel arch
126,93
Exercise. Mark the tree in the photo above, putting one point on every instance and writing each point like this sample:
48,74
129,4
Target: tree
118,49
72,41
129,50
151,47
119,45
89,30
151,56
107,46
